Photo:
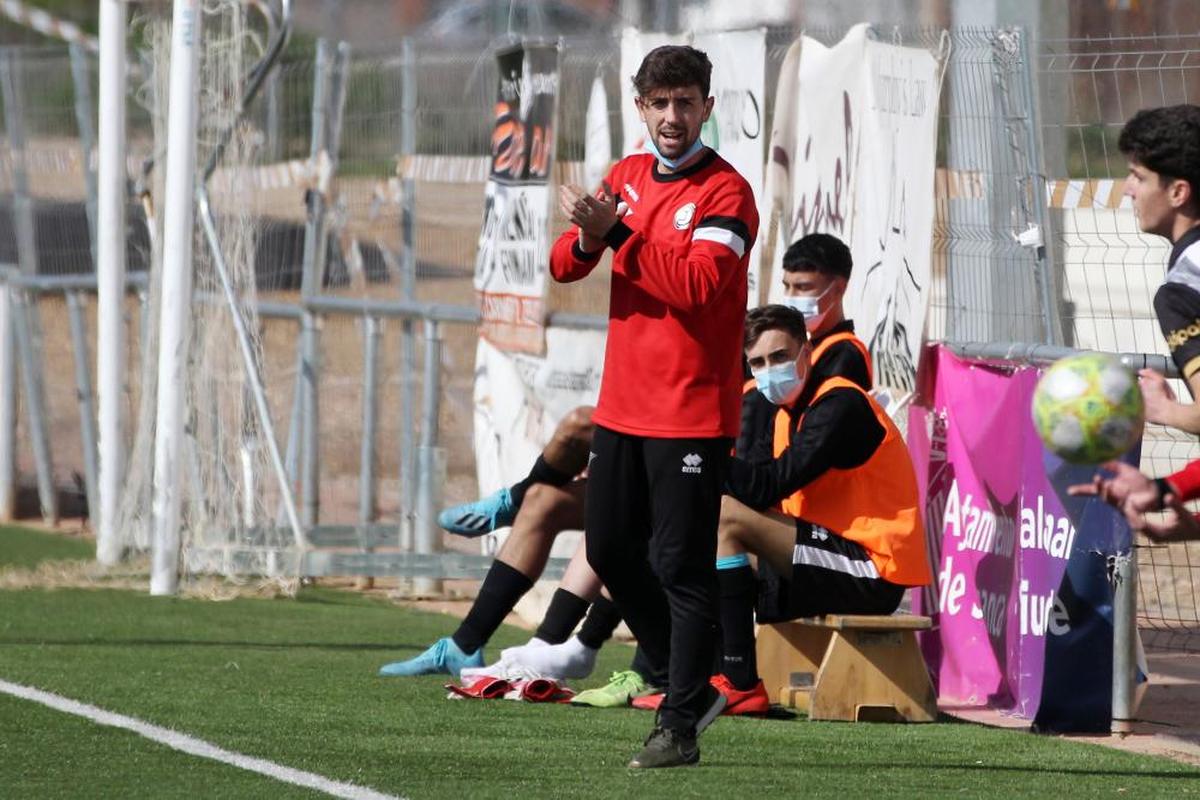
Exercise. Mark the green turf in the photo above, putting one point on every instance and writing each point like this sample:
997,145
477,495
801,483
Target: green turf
294,682
22,547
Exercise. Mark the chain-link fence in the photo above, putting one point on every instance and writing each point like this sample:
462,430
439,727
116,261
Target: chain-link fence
1007,106
1107,269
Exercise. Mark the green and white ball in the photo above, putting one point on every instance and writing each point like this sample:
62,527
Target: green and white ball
1088,408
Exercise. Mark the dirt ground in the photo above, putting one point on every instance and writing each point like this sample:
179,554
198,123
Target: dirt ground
1168,719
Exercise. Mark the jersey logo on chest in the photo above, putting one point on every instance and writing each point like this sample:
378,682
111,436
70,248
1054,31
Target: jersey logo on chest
684,215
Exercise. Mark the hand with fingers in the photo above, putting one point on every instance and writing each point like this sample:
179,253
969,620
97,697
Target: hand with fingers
594,215
1176,523
1126,488
1158,396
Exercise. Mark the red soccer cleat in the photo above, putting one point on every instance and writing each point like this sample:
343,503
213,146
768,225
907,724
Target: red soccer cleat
751,702
648,702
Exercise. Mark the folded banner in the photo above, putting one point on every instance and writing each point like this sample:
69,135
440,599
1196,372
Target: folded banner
520,398
1021,601
510,264
852,153
735,127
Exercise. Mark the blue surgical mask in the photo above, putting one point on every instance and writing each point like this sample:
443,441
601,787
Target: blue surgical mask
673,163
780,383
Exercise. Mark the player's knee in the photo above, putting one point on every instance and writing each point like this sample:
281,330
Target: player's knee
728,537
730,524
577,425
542,509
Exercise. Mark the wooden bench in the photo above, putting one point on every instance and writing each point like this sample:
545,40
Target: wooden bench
853,668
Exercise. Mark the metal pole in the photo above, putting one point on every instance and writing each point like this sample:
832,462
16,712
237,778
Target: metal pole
1037,184
367,504
14,121
408,284
34,407
25,317
292,457
8,408
110,278
87,411
258,391
176,294
331,118
428,537
1124,582
310,428
81,77
310,283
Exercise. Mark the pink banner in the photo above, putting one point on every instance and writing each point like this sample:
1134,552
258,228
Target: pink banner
1017,576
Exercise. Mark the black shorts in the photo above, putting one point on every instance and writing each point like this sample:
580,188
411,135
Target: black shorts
830,575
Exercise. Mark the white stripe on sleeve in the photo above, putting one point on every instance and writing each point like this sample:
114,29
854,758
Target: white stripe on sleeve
721,236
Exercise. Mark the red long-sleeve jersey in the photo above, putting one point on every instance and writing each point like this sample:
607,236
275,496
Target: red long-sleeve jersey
1186,482
672,366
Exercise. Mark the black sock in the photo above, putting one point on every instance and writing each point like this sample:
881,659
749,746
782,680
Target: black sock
501,590
739,591
602,620
564,613
541,473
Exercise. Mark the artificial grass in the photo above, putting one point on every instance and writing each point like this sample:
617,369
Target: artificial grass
26,548
294,681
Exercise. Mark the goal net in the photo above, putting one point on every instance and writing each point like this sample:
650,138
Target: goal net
230,496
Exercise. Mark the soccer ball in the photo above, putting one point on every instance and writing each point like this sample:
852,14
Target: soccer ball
1088,408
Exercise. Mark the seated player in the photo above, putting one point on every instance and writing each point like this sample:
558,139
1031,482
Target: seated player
835,511
816,271
542,507
1136,495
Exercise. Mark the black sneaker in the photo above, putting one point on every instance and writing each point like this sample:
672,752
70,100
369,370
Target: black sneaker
667,748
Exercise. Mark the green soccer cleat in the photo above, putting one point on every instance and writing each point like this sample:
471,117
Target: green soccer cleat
621,688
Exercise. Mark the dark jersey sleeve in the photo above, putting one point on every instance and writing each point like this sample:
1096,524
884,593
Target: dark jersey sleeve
839,431
758,428
1178,310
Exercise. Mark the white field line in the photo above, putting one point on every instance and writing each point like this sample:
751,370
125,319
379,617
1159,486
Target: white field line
194,746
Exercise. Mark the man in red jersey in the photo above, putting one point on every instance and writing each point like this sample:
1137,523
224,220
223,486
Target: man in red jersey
670,397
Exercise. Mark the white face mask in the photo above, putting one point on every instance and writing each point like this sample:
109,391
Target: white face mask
809,307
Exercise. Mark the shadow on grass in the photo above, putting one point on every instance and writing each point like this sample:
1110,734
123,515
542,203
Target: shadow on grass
925,766
340,646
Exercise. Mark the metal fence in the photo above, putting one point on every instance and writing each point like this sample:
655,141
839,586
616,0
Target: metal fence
415,113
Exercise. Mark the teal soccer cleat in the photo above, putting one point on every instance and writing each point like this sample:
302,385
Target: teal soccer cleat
442,657
480,516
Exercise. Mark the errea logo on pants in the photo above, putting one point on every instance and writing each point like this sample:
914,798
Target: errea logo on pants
691,464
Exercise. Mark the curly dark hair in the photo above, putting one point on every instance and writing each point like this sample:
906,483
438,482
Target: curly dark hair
673,66
1167,141
819,252
774,318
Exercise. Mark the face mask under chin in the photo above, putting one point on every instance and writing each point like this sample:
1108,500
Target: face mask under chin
674,163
